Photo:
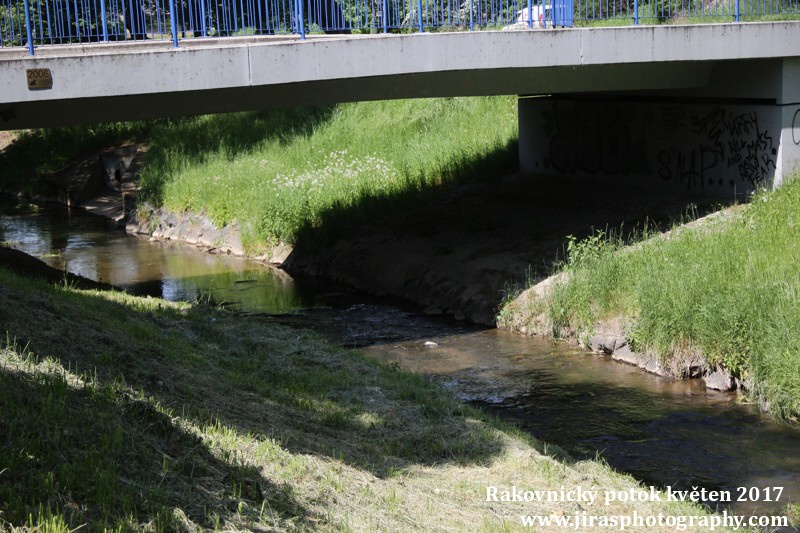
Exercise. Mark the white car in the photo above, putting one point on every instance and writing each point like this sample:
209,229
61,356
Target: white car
540,16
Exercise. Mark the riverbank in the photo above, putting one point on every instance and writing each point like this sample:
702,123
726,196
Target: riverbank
145,414
717,299
424,221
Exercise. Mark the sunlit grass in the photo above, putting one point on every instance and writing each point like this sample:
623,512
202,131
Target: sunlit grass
224,422
279,172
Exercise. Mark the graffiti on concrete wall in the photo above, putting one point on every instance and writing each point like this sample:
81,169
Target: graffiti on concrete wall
691,146
723,140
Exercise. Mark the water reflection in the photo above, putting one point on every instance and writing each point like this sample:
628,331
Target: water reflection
81,244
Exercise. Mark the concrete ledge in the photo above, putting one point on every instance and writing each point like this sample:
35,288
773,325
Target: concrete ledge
375,67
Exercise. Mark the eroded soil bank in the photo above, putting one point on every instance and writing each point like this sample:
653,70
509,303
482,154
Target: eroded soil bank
463,250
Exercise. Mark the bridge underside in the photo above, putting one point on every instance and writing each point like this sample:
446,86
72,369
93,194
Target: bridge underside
545,80
703,108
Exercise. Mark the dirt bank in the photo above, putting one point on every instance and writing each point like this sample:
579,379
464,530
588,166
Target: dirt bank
461,251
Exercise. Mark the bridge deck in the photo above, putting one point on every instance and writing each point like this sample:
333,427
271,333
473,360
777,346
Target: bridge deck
142,80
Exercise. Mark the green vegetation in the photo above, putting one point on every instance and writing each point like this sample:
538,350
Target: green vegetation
280,172
35,153
134,413
728,288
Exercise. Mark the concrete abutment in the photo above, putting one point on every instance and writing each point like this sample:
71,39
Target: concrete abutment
724,140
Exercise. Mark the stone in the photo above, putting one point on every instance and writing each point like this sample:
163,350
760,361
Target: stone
654,367
597,343
279,254
626,355
720,380
192,235
210,238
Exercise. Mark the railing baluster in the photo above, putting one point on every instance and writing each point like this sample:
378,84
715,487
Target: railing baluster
105,22
27,7
471,22
530,13
173,21
302,19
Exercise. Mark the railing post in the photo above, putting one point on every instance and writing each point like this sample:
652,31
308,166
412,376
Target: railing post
202,8
27,8
301,21
471,23
105,22
419,15
530,13
383,17
635,12
737,10
173,22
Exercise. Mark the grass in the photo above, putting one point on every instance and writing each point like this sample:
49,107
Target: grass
279,172
126,413
35,153
729,289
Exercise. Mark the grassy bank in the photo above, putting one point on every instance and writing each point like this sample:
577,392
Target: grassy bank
131,413
729,289
280,172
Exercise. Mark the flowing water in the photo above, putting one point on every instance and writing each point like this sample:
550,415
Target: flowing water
663,432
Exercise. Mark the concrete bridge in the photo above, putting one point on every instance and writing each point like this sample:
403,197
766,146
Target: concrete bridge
684,106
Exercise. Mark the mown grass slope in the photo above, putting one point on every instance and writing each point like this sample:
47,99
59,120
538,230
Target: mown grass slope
139,414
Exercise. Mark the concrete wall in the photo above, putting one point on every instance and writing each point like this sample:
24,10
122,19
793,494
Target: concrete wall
789,154
719,147
717,150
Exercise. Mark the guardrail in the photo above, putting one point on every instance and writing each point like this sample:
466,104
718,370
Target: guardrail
34,23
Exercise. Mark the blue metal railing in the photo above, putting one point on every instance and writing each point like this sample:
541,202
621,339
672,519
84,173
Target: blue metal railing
31,23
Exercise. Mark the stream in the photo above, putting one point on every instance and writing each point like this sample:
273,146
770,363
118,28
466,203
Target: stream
662,432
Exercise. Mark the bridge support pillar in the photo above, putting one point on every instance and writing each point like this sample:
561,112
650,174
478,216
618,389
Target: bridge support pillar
789,151
724,146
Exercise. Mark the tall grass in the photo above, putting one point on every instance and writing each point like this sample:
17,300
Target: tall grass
730,289
280,171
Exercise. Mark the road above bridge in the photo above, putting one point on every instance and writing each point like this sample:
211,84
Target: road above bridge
109,82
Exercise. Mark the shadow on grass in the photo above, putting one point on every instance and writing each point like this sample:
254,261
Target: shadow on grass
180,399
93,454
342,220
